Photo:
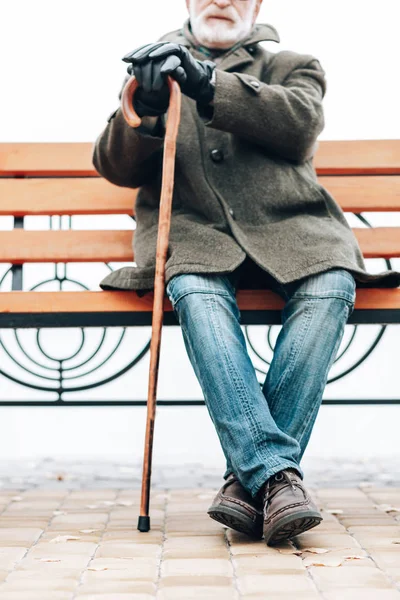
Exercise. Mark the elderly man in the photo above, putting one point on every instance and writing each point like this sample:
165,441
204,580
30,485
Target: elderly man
247,208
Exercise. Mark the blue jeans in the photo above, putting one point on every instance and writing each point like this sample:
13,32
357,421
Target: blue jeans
262,431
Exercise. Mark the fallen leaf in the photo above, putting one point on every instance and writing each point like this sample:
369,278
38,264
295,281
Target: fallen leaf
64,538
289,551
60,477
353,556
49,559
388,508
334,511
97,569
88,530
316,550
328,561
396,542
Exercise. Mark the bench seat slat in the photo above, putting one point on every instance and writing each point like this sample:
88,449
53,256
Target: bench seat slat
22,246
96,196
75,159
103,302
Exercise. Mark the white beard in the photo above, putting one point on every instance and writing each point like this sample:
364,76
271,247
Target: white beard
222,34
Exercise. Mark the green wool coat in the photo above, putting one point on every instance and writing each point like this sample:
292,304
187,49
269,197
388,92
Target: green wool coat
245,184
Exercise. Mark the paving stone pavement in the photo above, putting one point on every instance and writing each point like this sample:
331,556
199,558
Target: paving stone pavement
68,531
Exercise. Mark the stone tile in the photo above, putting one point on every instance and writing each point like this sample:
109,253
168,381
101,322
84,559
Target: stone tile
240,543
327,540
366,561
275,584
35,595
118,596
114,586
386,558
196,567
260,565
308,595
369,539
44,583
363,594
61,548
61,561
195,543
3,575
21,522
85,520
197,553
394,573
329,578
10,555
198,593
40,575
187,580
138,568
19,537
125,549
141,537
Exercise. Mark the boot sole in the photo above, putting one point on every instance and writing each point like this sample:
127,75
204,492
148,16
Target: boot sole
291,525
236,520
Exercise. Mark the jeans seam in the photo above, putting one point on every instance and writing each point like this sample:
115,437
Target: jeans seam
283,379
334,353
241,391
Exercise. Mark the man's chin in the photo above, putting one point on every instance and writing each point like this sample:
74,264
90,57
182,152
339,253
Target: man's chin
217,38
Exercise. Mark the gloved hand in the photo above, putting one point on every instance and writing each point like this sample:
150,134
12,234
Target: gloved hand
194,76
152,96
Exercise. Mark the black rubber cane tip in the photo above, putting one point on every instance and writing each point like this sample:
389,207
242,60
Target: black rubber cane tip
144,523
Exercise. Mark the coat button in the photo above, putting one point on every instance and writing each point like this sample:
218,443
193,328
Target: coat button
231,212
217,155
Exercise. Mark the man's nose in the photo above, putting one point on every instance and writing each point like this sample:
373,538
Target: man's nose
222,3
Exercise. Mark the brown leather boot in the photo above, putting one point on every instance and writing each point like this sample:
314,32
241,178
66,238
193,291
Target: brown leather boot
234,506
288,508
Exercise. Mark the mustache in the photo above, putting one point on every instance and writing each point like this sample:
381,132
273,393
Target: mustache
227,14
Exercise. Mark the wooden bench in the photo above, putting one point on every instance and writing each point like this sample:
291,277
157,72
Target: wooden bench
59,179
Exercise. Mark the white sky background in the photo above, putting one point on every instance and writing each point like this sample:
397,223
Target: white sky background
61,71
61,65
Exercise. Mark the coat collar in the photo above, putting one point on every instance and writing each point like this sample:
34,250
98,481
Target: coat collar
239,55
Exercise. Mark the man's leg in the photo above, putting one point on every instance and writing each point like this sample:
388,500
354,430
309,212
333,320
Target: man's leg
314,320
256,448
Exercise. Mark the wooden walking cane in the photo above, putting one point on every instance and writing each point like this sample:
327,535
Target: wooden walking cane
173,119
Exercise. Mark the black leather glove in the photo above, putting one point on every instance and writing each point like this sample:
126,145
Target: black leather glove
152,96
194,76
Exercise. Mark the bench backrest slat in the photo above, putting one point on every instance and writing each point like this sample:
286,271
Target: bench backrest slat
21,246
380,157
96,196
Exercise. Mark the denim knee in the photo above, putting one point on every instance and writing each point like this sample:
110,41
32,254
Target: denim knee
189,283
335,283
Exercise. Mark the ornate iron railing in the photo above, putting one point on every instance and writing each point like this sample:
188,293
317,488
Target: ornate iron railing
57,374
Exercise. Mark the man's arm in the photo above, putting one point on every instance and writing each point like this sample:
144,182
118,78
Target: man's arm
285,119
128,156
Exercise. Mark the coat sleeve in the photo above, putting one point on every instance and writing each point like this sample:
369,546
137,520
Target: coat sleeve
128,156
284,118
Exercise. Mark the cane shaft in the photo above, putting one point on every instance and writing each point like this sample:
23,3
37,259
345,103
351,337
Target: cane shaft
164,222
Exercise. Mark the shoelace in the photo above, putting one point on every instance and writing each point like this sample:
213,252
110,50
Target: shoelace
273,487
